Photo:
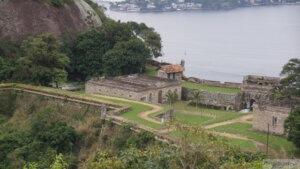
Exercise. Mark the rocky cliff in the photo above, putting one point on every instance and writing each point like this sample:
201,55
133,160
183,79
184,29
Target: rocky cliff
21,17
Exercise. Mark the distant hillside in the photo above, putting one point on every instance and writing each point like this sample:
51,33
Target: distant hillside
18,18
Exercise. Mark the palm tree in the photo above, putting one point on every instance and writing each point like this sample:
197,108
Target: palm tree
196,98
172,97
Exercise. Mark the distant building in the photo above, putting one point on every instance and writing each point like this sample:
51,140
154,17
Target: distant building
174,72
137,87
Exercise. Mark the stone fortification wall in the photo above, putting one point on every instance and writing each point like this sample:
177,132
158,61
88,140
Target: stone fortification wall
153,96
272,115
39,97
214,83
225,101
273,112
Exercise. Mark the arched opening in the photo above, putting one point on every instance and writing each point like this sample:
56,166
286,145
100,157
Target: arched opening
160,96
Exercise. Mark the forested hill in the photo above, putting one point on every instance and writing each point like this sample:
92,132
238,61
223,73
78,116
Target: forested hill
18,18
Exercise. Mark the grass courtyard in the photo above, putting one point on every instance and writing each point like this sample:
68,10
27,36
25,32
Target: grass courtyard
279,144
220,115
205,117
209,88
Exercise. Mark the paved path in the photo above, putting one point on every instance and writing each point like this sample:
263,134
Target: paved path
143,115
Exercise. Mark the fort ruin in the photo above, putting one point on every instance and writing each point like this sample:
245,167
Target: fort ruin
136,86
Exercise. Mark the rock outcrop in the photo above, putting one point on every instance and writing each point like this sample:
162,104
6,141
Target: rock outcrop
21,17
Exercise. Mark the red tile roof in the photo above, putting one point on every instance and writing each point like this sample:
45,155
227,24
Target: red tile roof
172,68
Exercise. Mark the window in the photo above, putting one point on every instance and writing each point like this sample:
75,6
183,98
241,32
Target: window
274,121
169,75
174,76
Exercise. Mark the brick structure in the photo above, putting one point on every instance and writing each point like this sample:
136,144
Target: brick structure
273,114
174,72
137,87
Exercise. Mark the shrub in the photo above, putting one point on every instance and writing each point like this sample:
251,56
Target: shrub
132,142
146,137
104,138
119,143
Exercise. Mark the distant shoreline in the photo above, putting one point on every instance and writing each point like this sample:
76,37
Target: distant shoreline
202,9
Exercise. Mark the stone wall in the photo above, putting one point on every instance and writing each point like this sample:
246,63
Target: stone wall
152,96
214,83
34,98
226,101
272,115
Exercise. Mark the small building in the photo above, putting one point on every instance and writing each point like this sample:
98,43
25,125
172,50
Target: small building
174,72
136,86
272,114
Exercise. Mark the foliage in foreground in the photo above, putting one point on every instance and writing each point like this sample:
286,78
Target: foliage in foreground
39,143
196,149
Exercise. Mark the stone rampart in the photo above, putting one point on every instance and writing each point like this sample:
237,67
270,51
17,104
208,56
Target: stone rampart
227,101
73,101
214,83
273,116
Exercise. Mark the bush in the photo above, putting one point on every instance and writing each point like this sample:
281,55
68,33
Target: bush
119,143
104,138
146,137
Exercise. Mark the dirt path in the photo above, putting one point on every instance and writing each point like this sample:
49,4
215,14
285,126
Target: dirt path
143,115
242,119
196,113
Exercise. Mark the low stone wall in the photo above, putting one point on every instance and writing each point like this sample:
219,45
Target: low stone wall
214,83
226,101
72,101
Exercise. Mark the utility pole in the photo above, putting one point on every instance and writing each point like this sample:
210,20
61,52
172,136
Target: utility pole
268,139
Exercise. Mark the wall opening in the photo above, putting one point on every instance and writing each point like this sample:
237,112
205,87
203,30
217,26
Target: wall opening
252,101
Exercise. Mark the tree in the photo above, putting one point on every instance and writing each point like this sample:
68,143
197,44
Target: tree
43,60
292,127
172,97
196,97
151,38
88,51
9,53
290,84
126,58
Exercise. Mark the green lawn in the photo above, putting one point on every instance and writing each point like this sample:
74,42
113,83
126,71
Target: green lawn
276,142
221,115
130,115
209,88
191,119
243,144
151,70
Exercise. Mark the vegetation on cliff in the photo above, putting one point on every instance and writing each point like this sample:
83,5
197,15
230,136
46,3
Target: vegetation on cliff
58,3
113,49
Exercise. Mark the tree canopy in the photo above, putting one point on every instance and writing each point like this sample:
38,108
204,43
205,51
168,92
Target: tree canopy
43,60
292,127
290,84
126,58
